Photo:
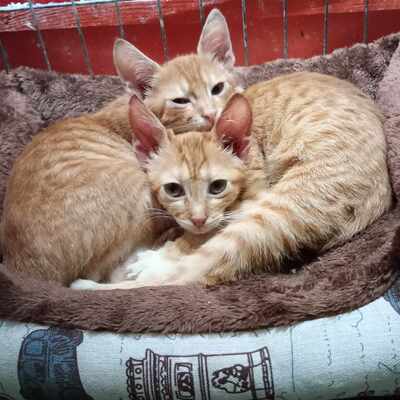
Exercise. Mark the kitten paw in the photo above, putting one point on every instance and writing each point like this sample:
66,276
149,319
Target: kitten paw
152,268
84,284
218,276
144,260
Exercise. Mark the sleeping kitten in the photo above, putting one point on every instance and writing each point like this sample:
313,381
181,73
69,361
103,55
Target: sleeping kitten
324,179
77,200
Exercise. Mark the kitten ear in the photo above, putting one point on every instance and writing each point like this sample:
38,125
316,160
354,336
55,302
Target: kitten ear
133,66
215,39
146,128
233,127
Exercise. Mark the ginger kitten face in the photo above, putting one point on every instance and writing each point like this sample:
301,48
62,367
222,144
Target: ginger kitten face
196,177
189,92
195,180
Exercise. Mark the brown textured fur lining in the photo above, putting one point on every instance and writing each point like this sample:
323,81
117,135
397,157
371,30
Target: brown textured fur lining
340,280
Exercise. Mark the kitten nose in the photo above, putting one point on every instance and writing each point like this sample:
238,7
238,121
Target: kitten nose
210,116
198,221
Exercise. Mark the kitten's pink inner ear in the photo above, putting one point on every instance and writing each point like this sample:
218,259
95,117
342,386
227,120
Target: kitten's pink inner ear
234,125
133,66
215,39
146,128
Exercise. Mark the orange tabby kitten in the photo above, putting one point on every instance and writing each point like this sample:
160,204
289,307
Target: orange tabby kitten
77,200
324,179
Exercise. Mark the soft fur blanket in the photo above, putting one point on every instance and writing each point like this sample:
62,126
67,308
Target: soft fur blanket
340,280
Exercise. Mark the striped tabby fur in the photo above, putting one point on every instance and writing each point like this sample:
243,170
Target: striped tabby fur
323,179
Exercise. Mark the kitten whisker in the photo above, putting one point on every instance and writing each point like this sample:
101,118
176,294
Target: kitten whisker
230,216
157,211
158,217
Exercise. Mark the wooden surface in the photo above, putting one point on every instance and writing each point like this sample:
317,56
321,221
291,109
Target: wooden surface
182,27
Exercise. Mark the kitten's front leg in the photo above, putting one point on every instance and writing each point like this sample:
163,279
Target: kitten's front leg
219,275
153,267
197,268
216,261
143,260
249,244
149,268
87,284
165,266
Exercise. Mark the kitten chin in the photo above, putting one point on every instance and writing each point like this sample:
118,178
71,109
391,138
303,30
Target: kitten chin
203,230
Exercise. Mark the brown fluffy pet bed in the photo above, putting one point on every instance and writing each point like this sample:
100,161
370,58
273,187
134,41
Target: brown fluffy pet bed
339,280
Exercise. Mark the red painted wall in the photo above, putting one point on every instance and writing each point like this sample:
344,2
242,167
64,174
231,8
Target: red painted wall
182,25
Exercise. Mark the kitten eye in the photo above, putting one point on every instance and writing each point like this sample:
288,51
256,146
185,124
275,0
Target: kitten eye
217,186
174,189
217,89
181,100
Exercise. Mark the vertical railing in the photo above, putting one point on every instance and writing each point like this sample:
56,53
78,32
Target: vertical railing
39,38
285,28
82,40
201,11
162,30
244,32
119,19
4,57
326,28
365,24
34,23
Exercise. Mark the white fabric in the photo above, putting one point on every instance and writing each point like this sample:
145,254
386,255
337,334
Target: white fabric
330,358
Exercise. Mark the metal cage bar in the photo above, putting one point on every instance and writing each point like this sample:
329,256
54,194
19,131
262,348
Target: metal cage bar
162,30
64,4
39,37
82,39
119,19
31,18
326,28
4,57
365,22
201,11
245,33
285,28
